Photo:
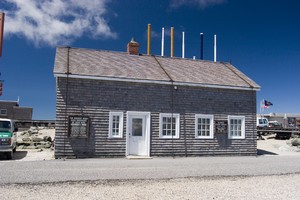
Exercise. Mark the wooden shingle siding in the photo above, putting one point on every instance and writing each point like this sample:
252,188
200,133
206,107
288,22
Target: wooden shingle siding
95,99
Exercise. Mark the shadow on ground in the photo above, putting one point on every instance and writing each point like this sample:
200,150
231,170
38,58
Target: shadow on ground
18,155
261,152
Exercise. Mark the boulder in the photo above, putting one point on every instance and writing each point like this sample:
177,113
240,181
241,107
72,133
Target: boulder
295,142
47,139
26,139
37,139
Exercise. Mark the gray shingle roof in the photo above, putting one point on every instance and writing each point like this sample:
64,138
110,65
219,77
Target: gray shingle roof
107,64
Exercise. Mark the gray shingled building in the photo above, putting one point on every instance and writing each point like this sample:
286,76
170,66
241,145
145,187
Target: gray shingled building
12,110
126,104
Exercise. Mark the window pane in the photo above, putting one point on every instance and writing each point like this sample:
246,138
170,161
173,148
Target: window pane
207,133
169,120
173,132
207,121
169,126
137,127
169,132
164,132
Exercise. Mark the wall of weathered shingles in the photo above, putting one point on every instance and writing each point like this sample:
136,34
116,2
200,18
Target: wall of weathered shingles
15,112
95,99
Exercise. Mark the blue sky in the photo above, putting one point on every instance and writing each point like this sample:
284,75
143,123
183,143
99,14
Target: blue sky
259,37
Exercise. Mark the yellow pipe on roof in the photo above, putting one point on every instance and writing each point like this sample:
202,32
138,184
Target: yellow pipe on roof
172,41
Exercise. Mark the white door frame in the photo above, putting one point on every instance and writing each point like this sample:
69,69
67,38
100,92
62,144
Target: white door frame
147,130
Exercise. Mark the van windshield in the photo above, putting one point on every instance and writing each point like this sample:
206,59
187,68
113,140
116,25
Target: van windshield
5,126
263,121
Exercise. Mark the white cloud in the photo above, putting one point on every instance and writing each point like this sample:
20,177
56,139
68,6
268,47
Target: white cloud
199,3
57,22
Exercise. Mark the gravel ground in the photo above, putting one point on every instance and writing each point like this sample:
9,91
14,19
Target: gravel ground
234,187
268,146
260,187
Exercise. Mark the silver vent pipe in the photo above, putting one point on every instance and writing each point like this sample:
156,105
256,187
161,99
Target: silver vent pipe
162,41
183,45
215,48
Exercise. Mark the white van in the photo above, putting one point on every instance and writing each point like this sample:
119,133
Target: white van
262,122
8,137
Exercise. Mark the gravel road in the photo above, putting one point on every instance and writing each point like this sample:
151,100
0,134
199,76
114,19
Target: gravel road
35,175
263,177
259,187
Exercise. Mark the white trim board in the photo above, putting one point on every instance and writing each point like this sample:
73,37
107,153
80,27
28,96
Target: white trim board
161,82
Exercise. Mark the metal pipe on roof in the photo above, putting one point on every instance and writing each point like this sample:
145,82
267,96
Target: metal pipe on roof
183,45
162,41
2,16
149,38
215,48
201,47
172,41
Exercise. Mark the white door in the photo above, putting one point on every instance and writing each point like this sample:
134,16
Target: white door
138,133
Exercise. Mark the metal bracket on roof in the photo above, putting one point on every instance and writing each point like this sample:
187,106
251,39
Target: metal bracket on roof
169,76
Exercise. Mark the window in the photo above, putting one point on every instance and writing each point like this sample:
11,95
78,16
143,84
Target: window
204,126
169,125
115,124
236,126
3,112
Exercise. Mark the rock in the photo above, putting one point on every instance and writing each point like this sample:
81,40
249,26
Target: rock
47,138
48,145
26,139
33,132
30,147
24,133
37,139
20,141
296,142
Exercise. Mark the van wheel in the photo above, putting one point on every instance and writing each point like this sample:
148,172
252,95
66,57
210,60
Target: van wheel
9,155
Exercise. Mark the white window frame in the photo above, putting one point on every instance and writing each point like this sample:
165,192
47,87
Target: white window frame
121,116
177,125
211,128
243,127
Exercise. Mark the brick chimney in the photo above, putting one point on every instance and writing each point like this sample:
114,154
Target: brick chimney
133,47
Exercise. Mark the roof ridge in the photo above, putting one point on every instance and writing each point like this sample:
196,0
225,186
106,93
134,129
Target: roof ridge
90,49
140,54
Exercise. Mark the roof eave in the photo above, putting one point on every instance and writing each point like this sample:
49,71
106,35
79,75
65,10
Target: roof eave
162,82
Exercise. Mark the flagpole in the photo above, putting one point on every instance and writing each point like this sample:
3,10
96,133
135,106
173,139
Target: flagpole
261,108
